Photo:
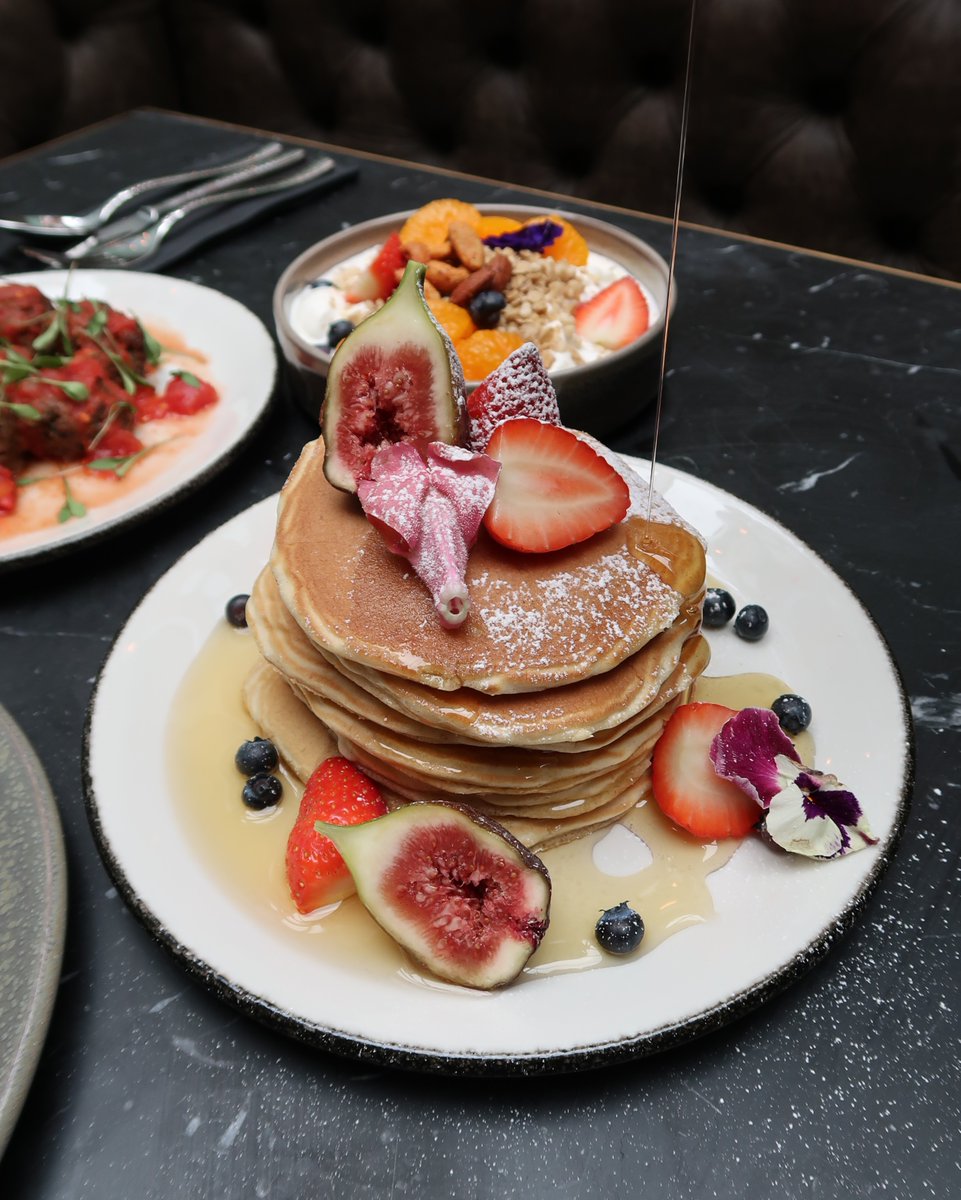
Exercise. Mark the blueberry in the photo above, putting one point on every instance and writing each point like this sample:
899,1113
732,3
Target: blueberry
793,712
236,610
486,307
751,623
256,756
619,930
262,791
338,331
719,607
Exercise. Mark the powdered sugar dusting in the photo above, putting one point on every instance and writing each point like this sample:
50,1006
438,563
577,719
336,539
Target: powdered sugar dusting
428,506
596,605
519,387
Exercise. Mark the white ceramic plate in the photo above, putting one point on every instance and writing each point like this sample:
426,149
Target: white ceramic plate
776,914
241,363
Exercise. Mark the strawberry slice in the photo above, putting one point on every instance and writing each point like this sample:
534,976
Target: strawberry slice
519,387
686,787
8,491
380,278
553,489
614,317
337,792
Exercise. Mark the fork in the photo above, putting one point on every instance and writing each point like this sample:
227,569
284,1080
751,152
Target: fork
50,225
131,252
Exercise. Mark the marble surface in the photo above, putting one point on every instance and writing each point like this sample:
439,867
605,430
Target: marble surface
823,392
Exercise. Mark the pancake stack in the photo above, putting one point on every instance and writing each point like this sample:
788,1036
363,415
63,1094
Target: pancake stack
541,710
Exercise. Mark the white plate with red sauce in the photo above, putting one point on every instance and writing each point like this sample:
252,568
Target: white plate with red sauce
775,914
208,335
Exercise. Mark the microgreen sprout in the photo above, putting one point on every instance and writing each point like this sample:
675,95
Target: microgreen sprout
72,507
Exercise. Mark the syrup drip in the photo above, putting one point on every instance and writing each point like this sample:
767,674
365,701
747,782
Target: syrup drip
671,552
663,873
675,225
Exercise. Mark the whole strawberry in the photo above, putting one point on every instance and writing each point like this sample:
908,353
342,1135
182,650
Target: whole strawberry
338,793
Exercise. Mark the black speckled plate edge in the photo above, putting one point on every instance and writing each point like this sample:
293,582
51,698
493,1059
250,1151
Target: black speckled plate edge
222,459
31,835
537,1062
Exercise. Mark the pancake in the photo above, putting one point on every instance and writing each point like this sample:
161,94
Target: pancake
536,621
303,742
472,768
575,714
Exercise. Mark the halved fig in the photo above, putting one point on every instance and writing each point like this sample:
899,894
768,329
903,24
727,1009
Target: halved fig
395,378
455,889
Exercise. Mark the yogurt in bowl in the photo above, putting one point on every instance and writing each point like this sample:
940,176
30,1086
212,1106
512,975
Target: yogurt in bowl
598,388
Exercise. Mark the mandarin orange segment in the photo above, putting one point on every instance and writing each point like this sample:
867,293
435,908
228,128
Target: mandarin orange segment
570,245
430,223
455,320
485,350
494,225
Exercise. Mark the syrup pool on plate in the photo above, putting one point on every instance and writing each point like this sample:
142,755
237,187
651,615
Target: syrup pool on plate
660,871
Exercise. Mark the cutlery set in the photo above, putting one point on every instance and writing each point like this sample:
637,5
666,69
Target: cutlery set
116,235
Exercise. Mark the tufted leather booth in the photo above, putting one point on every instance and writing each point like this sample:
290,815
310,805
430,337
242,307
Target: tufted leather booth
834,124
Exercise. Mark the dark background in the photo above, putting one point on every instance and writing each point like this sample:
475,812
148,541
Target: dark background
847,1085
833,124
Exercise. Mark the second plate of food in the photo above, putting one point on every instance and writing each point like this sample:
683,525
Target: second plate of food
202,335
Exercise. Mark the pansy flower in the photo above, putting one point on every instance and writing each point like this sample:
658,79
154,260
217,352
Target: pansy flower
806,811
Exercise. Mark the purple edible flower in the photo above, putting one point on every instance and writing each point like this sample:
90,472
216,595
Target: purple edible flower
532,237
808,812
745,751
816,815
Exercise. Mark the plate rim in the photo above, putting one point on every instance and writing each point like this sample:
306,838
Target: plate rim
538,1062
33,1031
223,456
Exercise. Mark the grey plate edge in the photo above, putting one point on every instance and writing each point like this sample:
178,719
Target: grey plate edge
537,1062
13,1090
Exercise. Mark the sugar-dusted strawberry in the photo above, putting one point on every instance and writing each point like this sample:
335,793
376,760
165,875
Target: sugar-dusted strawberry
553,489
686,787
340,794
380,278
519,387
614,317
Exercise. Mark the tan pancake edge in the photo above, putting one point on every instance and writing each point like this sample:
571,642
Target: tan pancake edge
301,740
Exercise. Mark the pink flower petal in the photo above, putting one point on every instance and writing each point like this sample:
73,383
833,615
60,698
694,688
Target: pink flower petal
428,504
393,496
746,751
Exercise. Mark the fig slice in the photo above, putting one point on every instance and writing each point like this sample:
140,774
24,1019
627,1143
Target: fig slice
463,897
395,378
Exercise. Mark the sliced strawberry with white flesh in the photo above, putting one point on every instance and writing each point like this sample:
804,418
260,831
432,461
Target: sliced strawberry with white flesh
686,786
614,317
519,387
378,281
553,489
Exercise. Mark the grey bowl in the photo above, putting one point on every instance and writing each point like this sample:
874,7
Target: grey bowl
599,397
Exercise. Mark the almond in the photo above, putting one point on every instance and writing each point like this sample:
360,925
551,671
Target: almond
444,277
430,292
417,251
468,288
500,264
466,244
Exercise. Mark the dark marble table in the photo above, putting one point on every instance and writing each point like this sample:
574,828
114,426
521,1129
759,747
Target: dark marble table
824,392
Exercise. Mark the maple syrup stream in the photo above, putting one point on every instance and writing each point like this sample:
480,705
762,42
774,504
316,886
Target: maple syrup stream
675,225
